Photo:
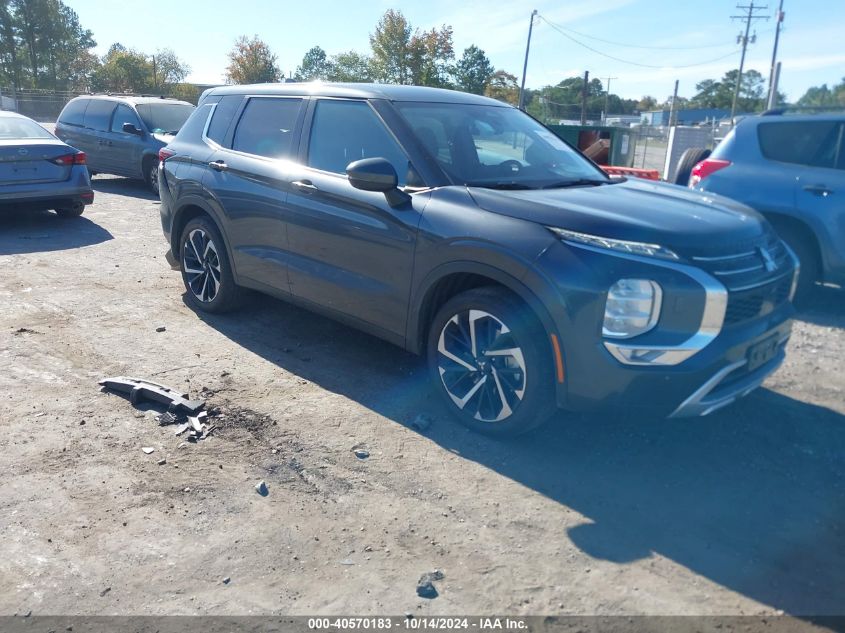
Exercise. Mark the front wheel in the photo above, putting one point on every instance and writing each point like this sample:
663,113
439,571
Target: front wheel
151,175
489,359
205,266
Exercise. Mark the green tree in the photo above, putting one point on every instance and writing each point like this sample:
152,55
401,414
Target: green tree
350,67
251,61
315,65
390,43
646,103
167,69
473,71
43,45
404,55
503,86
719,94
123,70
822,96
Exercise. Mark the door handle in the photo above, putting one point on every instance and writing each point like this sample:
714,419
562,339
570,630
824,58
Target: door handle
218,165
819,190
306,186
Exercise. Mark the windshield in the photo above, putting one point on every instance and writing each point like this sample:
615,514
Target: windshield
492,146
17,128
164,118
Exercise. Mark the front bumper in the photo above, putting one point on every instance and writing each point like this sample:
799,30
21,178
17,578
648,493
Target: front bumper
700,375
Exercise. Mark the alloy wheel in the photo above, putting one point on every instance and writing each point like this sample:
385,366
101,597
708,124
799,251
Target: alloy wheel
481,366
201,263
153,178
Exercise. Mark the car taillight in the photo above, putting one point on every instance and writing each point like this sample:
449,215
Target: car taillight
705,168
70,159
164,154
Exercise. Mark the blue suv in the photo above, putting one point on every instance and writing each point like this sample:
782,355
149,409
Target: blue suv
790,168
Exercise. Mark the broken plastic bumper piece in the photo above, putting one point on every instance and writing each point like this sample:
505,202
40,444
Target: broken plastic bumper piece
140,390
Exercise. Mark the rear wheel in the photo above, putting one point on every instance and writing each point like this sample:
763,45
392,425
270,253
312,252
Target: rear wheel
489,360
72,211
205,266
689,159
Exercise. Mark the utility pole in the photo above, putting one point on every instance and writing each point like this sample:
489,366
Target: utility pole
751,14
673,107
607,97
773,79
525,64
584,97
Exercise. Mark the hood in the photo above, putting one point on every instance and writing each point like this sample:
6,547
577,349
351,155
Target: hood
163,138
636,210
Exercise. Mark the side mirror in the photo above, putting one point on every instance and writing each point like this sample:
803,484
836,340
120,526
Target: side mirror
377,174
130,128
372,174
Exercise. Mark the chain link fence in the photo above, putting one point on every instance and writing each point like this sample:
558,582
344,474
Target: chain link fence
41,105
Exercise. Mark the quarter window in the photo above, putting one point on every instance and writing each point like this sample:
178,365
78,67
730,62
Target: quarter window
124,114
74,112
346,131
812,143
266,127
222,117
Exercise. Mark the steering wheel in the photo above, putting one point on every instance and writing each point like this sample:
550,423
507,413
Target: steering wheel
514,165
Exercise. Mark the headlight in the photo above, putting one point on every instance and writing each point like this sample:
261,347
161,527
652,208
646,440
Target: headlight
632,308
624,246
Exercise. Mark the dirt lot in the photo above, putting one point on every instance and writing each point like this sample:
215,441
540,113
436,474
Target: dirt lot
741,512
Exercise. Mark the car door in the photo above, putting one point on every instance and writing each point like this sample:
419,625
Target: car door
350,251
123,150
807,154
97,121
251,179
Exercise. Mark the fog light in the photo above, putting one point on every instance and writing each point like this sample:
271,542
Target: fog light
633,308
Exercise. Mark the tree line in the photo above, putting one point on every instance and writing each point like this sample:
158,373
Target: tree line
44,45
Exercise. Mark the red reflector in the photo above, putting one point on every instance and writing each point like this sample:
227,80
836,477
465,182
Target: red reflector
705,168
70,159
164,154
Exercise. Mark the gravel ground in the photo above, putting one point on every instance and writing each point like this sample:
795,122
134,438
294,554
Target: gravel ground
742,512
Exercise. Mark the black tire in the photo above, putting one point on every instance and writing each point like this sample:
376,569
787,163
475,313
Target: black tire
206,270
808,256
71,212
151,174
534,377
689,159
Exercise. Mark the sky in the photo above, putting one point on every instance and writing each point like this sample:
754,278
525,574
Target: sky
654,42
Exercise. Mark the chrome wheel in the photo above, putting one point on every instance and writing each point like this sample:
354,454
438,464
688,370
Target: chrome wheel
481,366
201,264
152,178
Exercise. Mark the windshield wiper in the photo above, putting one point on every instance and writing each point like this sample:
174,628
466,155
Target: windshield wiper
499,185
579,182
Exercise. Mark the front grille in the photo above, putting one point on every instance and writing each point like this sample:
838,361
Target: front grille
751,265
756,302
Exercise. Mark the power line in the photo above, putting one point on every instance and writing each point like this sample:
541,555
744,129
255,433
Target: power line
657,48
625,61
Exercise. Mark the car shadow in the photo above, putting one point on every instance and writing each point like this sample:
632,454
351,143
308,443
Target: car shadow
826,307
123,187
34,232
751,498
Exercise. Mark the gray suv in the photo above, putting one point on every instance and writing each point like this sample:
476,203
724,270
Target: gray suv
460,228
122,135
790,168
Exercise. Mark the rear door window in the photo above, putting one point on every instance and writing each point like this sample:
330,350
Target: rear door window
266,127
74,112
124,114
346,131
222,117
811,143
98,114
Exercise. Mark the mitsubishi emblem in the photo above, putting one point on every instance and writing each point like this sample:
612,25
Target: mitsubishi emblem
768,261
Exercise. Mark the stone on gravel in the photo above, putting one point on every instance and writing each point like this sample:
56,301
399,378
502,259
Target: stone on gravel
148,449
162,462
161,328
425,586
227,580
261,488
362,453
